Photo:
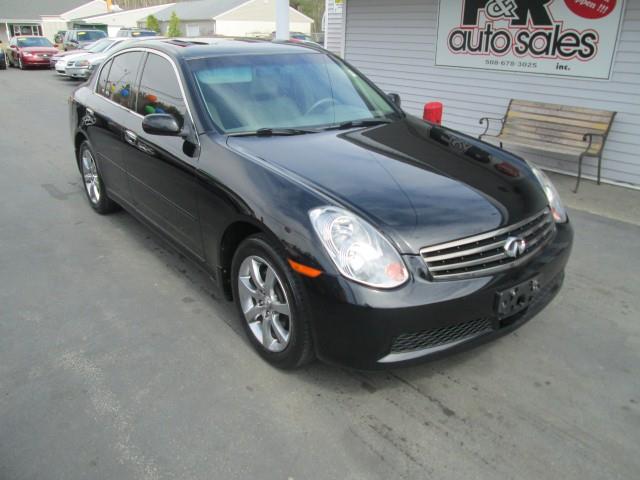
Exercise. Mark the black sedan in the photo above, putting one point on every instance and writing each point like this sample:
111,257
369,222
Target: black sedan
341,227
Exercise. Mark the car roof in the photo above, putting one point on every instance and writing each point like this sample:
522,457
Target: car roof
189,48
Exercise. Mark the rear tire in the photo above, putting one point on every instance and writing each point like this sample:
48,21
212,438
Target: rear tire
94,186
265,287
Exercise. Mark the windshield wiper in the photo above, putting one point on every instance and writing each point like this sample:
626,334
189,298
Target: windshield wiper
272,132
367,122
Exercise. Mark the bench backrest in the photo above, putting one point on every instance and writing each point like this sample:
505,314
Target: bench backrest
557,124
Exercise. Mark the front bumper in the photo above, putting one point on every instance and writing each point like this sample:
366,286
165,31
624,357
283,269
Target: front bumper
35,61
362,328
81,73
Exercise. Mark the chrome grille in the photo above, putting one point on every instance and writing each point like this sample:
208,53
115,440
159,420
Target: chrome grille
484,254
408,342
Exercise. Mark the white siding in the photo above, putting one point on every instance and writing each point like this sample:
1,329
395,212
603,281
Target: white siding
394,44
334,28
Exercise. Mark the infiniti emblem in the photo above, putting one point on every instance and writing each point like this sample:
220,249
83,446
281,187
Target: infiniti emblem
515,246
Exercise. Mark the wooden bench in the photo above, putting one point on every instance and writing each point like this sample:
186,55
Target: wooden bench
554,128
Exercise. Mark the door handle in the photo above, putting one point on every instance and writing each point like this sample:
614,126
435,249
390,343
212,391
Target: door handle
131,138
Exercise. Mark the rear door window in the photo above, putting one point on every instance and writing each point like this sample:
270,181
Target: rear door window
102,80
160,90
121,80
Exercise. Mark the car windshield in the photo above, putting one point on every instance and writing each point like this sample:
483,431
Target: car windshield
309,90
89,35
100,45
34,42
143,33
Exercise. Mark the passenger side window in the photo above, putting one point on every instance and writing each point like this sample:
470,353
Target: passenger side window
102,80
160,90
120,86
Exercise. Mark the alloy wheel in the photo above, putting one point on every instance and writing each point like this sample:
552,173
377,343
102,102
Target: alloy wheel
91,178
264,303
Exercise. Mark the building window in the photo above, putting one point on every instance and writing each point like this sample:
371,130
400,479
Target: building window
26,30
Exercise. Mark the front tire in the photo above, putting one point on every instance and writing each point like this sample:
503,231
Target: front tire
94,186
271,302
20,64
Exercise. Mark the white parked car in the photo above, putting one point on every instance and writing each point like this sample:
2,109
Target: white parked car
64,62
82,67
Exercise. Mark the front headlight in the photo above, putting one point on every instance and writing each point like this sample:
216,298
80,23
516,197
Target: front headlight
557,208
83,64
357,249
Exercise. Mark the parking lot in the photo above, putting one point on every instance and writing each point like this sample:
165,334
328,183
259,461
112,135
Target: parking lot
117,361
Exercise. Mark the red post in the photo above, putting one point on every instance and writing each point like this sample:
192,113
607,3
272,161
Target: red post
433,112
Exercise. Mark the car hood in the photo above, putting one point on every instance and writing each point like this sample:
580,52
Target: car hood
67,54
49,50
421,184
74,56
96,57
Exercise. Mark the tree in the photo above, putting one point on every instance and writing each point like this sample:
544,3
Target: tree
174,26
311,8
153,23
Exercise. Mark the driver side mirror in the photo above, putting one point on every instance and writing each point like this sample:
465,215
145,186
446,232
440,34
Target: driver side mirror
395,98
161,124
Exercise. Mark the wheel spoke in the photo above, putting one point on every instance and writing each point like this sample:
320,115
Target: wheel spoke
281,333
245,287
267,337
253,311
255,274
281,308
269,281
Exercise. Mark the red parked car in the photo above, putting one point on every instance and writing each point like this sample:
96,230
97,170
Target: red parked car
30,51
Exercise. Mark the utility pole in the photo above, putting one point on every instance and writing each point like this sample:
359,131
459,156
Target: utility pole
282,20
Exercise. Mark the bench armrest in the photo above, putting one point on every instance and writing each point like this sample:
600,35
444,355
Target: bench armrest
589,136
487,120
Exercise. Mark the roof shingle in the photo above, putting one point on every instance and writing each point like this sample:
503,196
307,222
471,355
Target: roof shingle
198,10
33,9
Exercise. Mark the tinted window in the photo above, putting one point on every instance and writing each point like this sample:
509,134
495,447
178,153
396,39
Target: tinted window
102,80
159,90
34,42
89,35
122,77
143,33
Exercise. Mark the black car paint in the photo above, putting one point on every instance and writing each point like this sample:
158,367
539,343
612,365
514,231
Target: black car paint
419,183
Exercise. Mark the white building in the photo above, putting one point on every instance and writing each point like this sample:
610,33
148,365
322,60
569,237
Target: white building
403,46
42,17
230,18
114,21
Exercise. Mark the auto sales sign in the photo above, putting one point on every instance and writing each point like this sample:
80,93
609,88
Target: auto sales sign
572,38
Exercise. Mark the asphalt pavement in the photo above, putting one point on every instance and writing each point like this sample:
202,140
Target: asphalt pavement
117,361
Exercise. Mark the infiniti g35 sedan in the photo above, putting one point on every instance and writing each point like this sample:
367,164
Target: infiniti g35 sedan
343,228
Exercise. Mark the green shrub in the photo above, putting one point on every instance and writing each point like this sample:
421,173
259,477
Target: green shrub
174,26
153,23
